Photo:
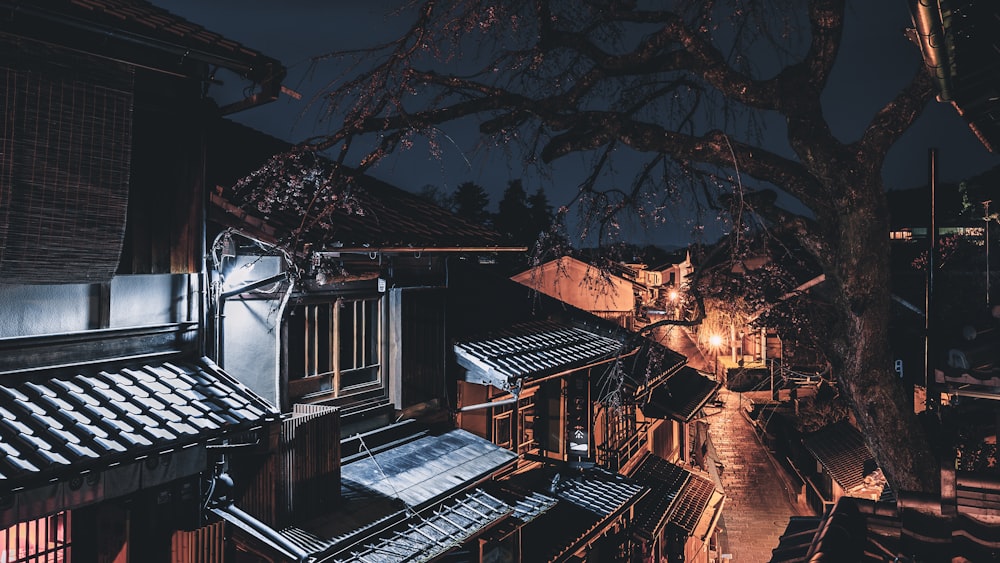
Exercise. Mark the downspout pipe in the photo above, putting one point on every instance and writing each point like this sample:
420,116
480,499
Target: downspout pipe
263,532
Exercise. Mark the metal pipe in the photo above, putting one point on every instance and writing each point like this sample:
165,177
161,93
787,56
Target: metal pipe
414,250
487,405
929,285
254,285
929,24
264,532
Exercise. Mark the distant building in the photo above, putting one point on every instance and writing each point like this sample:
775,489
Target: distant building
607,295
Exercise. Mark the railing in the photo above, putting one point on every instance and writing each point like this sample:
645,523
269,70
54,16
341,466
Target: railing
612,457
815,498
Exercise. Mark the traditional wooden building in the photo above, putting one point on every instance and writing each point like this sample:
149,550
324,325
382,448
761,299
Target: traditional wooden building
591,407
835,462
116,428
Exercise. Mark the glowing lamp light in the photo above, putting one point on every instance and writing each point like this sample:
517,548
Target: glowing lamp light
239,277
715,340
673,295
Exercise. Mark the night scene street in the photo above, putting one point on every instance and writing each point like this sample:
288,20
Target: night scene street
530,281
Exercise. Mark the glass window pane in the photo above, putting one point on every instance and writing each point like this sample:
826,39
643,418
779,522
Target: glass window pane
346,336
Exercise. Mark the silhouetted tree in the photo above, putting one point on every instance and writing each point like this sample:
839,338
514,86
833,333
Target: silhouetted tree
514,218
670,104
435,195
471,201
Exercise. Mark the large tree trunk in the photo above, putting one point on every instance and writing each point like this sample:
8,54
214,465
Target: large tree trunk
860,342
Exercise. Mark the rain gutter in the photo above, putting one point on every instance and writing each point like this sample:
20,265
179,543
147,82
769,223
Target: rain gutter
415,250
930,23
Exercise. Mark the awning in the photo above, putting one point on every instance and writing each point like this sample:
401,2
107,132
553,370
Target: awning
680,396
426,536
678,498
428,468
77,435
531,350
391,498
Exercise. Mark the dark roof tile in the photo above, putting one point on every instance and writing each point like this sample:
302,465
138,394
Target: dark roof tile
841,449
681,395
379,215
587,501
533,349
678,496
80,419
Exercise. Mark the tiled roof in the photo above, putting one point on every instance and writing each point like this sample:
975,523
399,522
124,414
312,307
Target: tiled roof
681,395
377,216
142,25
677,497
842,450
588,502
62,422
529,350
666,481
869,532
653,364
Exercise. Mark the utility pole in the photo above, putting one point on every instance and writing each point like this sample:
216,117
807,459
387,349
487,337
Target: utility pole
986,236
929,301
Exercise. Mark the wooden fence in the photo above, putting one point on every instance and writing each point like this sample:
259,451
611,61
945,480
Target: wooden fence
301,477
204,545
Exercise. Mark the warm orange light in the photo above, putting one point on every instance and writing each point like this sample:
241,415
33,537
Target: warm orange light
715,340
673,295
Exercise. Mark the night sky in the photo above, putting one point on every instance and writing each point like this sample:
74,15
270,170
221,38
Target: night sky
876,60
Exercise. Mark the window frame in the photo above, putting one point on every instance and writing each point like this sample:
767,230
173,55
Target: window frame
318,339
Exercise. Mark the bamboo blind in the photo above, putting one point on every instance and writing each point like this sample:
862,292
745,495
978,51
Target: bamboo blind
65,153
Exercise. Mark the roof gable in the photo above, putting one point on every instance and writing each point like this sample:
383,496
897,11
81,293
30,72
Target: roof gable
300,199
580,285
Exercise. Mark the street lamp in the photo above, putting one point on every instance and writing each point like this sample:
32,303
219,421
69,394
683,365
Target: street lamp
714,342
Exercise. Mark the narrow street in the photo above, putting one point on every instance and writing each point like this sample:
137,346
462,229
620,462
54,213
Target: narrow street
757,506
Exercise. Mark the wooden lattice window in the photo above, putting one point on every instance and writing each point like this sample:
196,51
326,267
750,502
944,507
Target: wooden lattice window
36,541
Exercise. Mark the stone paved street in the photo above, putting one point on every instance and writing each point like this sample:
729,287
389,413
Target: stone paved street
757,499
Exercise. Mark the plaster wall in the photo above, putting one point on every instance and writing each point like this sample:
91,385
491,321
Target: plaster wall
30,310
153,299
251,347
34,310
581,285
